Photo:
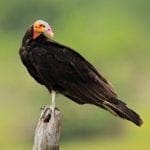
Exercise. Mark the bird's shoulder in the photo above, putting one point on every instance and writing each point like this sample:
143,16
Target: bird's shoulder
55,51
52,50
59,48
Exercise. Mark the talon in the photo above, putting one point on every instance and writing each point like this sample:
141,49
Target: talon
42,108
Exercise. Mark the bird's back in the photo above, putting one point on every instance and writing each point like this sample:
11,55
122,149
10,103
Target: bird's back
62,69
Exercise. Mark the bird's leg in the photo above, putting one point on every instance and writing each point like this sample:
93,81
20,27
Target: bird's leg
53,100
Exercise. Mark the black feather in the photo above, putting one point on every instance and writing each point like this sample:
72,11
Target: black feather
124,112
62,69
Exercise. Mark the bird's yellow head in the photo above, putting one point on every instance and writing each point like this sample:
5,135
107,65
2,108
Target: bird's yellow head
42,27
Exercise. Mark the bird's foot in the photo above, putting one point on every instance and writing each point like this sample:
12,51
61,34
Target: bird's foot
42,108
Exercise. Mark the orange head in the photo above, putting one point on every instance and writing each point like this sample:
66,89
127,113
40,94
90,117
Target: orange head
42,27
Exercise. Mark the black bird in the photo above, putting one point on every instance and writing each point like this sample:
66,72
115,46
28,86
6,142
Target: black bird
62,70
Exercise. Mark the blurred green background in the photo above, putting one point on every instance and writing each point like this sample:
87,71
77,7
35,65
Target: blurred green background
114,35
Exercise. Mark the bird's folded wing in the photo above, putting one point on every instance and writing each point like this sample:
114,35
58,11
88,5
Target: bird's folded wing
77,78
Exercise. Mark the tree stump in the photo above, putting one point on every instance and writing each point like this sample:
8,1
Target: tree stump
47,132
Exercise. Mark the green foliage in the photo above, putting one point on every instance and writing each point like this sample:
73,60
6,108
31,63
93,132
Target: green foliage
113,35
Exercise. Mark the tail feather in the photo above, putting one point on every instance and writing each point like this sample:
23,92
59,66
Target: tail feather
123,111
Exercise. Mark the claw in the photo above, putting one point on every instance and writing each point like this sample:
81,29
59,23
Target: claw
42,108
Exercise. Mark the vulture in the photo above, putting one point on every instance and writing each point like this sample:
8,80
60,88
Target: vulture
63,70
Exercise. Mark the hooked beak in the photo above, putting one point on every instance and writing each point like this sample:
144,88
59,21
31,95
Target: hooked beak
49,33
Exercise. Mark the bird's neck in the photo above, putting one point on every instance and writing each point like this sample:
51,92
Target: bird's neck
28,36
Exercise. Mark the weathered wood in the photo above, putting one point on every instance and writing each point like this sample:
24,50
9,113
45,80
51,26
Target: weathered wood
47,132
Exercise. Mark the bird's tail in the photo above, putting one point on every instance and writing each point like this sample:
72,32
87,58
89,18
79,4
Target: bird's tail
118,108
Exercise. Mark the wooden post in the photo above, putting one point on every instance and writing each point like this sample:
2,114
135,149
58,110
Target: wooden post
47,132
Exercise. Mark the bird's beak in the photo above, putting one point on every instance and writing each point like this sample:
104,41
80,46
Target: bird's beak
49,33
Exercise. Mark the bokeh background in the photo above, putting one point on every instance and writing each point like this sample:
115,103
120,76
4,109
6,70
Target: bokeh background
114,35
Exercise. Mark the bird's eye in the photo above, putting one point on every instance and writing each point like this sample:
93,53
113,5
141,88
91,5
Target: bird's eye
41,25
